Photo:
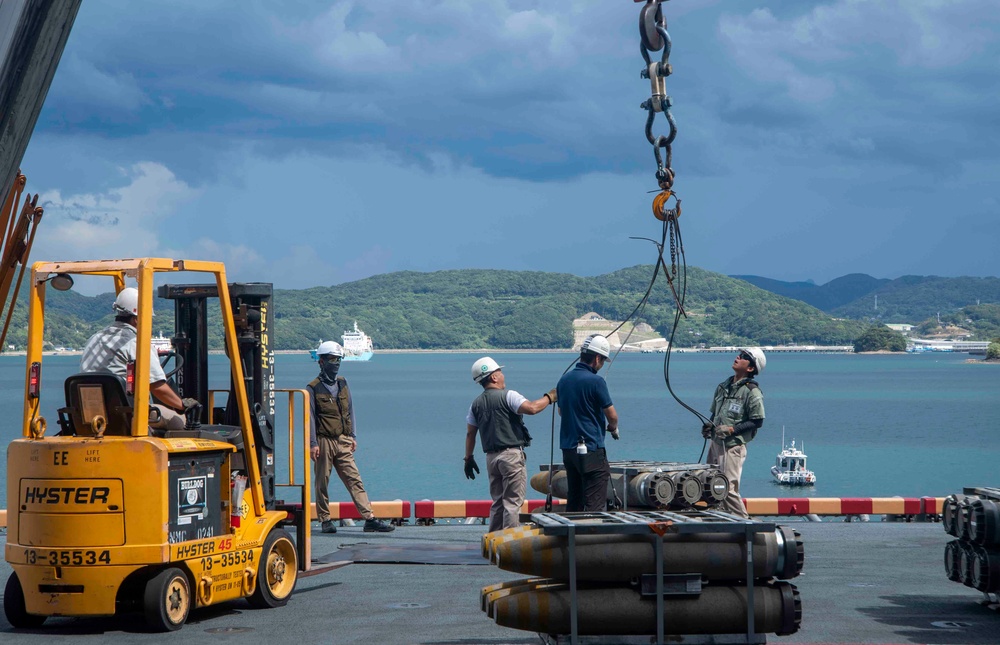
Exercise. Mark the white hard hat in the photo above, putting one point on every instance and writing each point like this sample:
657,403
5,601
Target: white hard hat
329,347
759,360
483,368
127,302
597,344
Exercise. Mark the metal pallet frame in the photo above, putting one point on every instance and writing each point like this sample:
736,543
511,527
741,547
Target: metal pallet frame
659,523
984,492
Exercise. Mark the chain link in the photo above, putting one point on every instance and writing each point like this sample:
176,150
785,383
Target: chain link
654,37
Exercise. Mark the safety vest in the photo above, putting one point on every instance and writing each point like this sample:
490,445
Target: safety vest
499,426
333,413
737,401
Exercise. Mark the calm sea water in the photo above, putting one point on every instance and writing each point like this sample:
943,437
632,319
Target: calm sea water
878,425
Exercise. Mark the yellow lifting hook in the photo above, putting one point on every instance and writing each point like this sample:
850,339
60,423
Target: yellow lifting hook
660,210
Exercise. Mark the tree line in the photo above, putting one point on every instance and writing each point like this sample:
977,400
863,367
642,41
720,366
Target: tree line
483,308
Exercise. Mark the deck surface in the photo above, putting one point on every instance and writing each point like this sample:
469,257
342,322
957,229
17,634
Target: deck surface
862,583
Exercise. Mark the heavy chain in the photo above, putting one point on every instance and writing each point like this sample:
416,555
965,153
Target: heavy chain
653,36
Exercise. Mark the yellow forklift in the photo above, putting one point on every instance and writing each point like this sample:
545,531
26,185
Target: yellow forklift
112,515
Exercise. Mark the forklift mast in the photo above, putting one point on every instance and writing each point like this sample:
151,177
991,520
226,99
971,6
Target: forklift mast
252,310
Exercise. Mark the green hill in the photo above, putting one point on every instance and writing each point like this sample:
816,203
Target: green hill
936,305
827,297
476,308
914,298
983,321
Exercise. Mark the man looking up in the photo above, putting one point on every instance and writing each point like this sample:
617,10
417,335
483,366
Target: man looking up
496,416
737,414
586,414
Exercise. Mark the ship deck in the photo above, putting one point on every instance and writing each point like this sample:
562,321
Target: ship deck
862,583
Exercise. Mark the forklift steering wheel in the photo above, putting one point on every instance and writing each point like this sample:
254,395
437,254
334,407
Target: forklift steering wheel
178,363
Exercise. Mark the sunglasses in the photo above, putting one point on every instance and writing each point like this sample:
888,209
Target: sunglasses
746,357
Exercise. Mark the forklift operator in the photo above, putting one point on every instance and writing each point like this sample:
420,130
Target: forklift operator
113,348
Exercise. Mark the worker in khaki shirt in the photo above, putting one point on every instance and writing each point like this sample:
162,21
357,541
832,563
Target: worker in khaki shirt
737,414
333,440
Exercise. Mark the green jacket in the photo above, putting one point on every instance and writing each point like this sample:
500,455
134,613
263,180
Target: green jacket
737,402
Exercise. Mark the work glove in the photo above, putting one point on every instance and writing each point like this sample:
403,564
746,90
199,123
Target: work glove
615,435
707,430
189,403
471,467
551,394
721,435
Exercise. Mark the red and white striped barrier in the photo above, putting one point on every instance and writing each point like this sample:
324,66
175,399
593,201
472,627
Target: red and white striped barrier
768,506
429,509
844,505
394,510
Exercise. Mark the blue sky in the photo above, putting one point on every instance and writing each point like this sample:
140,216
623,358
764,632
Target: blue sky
314,143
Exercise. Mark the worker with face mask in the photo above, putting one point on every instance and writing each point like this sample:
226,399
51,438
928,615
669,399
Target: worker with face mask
333,440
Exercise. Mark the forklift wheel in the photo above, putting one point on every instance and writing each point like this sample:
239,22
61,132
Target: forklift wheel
13,606
167,600
277,571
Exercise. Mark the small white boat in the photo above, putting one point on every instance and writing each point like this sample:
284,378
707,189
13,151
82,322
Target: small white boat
790,466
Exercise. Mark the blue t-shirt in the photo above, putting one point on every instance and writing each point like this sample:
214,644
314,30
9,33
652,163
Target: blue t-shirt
582,397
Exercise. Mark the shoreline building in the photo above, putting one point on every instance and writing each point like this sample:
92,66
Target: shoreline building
635,338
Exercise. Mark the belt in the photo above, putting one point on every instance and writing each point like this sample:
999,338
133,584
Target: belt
493,452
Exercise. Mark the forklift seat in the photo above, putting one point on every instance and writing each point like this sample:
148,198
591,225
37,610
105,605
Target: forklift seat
96,394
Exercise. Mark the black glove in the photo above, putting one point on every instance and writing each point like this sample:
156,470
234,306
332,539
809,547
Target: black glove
707,430
470,466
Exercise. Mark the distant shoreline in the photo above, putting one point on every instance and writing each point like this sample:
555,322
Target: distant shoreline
567,350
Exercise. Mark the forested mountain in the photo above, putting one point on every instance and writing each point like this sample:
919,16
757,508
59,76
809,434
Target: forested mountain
826,297
476,308
966,302
982,320
913,299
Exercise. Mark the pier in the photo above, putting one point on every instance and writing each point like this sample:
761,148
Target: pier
877,582
777,349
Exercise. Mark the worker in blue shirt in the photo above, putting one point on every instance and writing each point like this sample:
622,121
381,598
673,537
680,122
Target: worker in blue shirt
586,413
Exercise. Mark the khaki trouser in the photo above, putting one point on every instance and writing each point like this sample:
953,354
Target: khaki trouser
508,483
730,462
336,453
169,419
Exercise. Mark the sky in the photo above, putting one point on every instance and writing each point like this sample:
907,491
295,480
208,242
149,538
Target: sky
314,143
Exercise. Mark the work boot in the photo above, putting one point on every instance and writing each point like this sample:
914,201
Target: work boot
328,527
375,525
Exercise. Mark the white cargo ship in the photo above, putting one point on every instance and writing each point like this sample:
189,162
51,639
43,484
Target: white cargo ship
357,345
